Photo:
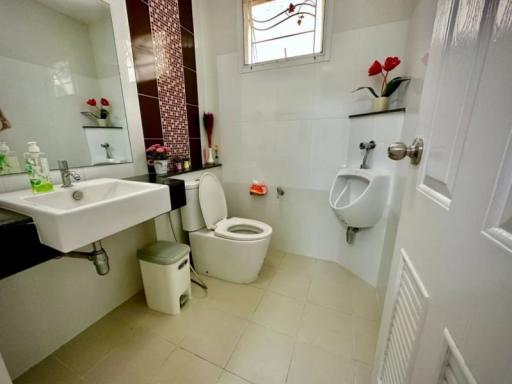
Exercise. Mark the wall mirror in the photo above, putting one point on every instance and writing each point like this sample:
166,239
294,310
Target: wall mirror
54,56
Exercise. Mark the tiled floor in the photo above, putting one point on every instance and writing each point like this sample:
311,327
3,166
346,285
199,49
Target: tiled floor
303,321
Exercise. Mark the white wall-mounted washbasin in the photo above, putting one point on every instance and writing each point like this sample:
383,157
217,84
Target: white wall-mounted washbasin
104,207
359,196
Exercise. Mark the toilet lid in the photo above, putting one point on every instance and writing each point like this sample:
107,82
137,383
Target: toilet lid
212,200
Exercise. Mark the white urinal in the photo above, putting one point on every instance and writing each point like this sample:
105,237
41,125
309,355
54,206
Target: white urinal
359,196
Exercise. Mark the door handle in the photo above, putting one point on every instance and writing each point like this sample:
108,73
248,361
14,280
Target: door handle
398,151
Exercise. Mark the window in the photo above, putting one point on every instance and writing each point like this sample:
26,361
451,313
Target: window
276,30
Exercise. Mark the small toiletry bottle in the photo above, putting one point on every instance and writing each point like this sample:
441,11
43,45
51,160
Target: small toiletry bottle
36,165
8,160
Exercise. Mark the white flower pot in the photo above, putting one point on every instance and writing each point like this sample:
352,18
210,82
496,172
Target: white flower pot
380,104
210,156
103,122
160,166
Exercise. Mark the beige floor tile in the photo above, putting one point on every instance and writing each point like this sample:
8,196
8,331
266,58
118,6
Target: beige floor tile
365,339
363,373
311,364
299,264
266,275
171,327
262,356
279,313
274,258
229,378
237,299
333,295
331,272
135,361
131,311
88,348
290,283
49,371
365,300
183,367
213,334
328,329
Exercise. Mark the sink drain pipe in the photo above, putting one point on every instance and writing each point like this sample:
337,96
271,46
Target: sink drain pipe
98,256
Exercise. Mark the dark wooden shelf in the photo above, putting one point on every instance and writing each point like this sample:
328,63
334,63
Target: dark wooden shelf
376,113
97,126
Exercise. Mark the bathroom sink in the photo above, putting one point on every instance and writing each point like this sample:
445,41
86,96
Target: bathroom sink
70,218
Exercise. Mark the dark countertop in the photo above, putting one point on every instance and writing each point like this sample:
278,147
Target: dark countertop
21,248
10,218
176,186
165,179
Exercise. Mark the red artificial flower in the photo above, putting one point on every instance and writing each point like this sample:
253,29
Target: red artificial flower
391,63
375,68
161,150
104,102
91,102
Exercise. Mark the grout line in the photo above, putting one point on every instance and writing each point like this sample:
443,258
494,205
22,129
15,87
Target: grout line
186,29
236,344
198,356
69,368
146,95
241,377
291,360
190,69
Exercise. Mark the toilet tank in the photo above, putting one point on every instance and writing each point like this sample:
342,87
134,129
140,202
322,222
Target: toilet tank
191,215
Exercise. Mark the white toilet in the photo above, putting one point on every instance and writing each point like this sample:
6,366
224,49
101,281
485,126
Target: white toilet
229,249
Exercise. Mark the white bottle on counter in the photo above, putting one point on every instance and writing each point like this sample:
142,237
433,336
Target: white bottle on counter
36,165
8,160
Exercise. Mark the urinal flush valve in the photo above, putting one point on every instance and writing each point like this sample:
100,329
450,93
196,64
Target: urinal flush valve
367,147
351,234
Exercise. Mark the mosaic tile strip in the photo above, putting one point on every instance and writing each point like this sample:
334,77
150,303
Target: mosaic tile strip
165,27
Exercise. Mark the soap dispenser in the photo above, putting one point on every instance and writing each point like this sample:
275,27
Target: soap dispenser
36,165
8,160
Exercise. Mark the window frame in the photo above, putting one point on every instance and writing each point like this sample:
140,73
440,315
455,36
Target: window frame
286,62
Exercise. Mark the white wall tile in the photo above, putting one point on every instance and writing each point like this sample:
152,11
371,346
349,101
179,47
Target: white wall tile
384,130
289,127
294,96
329,150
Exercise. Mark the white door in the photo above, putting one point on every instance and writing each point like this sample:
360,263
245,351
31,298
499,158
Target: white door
448,313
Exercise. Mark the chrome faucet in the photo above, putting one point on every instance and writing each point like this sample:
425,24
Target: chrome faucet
106,146
367,147
66,175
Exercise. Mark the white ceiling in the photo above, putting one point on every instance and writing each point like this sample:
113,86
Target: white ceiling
86,11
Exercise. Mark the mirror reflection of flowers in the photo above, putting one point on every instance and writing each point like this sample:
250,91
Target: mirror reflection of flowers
157,152
99,112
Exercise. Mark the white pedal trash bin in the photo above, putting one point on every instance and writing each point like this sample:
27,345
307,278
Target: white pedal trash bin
165,268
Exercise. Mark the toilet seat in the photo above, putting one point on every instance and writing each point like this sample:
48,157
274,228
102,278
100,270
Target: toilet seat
215,213
212,200
240,229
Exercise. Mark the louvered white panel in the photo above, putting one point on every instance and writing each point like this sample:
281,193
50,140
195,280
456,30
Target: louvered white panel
408,315
454,370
